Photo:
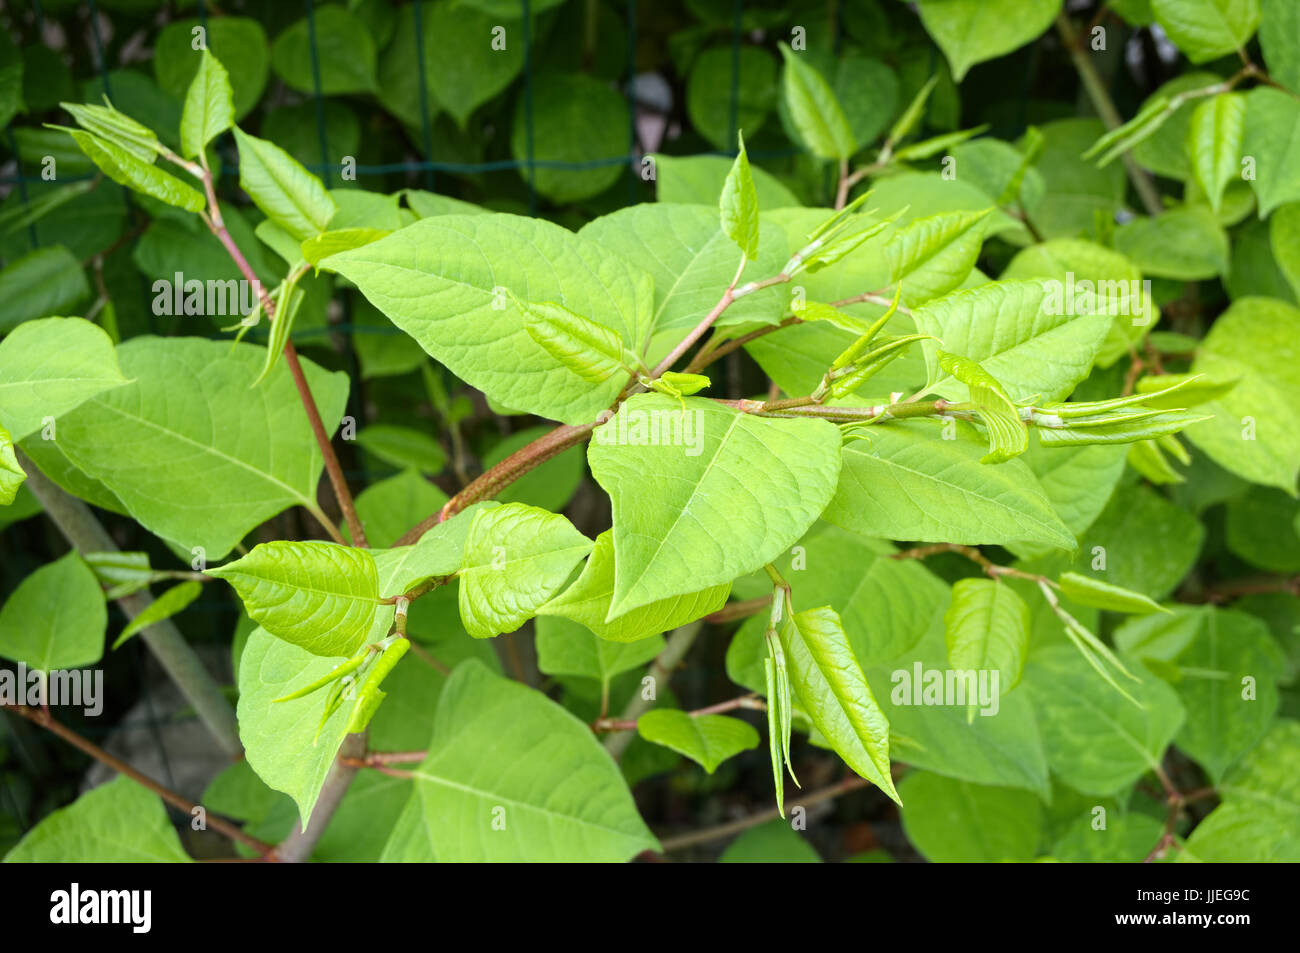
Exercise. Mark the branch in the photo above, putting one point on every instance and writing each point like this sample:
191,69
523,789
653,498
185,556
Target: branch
85,534
297,847
682,841
751,702
341,492
738,610
1105,106
46,721
502,475
679,643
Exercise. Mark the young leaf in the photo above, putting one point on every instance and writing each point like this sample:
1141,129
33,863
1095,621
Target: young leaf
287,193
690,509
1008,435
136,174
209,106
1087,591
908,119
567,648
835,693
590,350
814,110
119,129
707,740
55,618
288,299
320,596
987,629
1012,330
972,31
588,601
1214,143
934,255
516,558
739,206
164,607
1207,29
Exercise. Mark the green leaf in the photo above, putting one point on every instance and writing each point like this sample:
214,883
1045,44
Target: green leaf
42,282
972,31
285,741
339,240
1214,143
164,607
1207,29
1230,670
11,474
55,618
704,494
1252,435
753,71
1017,333
987,629
287,193
118,822
1078,481
576,118
707,740
516,558
110,125
952,821
772,843
835,694
403,447
692,261
1125,838
590,350
210,458
905,481
1001,748
1279,26
815,112
139,176
1092,277
1187,244
439,552
463,67
589,598
698,180
209,106
320,596
566,648
739,206
1261,529
1087,591
1273,139
333,49
932,256
1008,435
453,301
548,793
240,42
51,366
1141,541
1096,740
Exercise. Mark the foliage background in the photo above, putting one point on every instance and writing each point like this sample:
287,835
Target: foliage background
556,126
